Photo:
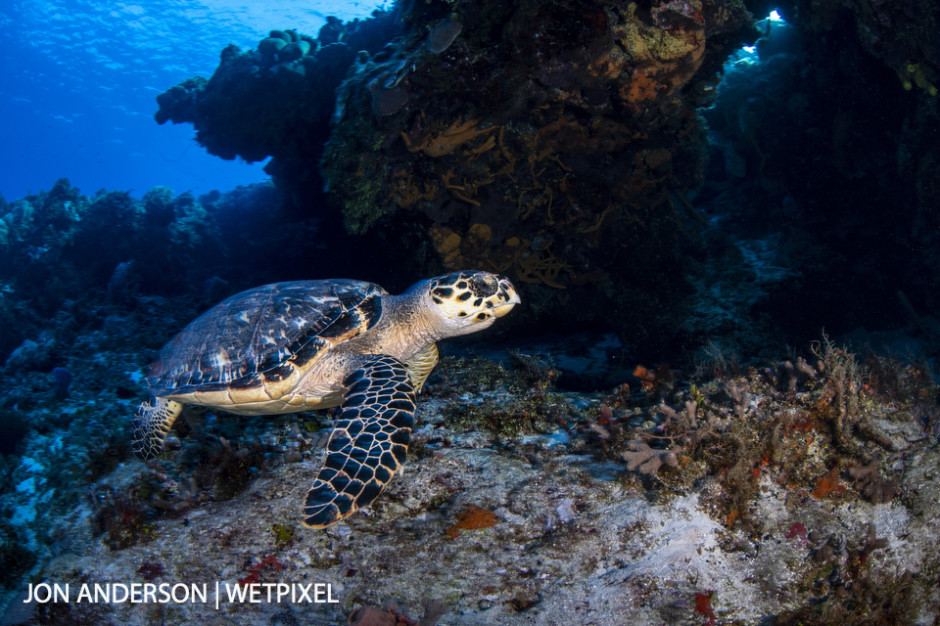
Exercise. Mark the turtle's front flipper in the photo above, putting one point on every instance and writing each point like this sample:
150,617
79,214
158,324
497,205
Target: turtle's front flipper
152,423
368,444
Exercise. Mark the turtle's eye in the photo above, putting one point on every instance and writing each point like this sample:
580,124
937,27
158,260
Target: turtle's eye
483,285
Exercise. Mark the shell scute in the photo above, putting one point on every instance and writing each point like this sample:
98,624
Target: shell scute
263,335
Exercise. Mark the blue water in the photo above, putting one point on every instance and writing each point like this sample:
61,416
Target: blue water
80,79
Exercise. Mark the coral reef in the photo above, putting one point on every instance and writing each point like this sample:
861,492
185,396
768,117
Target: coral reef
564,145
69,261
61,247
558,143
495,136
902,35
276,100
798,487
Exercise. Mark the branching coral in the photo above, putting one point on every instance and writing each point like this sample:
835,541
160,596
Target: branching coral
541,267
839,400
465,190
450,138
645,460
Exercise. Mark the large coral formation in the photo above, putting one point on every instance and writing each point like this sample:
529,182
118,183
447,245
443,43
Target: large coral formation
275,101
543,140
548,141
559,142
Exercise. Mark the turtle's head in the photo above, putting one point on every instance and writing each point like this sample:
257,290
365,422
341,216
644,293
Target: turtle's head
468,301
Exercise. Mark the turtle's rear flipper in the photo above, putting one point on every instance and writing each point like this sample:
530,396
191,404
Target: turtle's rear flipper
152,423
368,444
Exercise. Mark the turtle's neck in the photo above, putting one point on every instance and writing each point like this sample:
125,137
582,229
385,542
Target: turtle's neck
402,330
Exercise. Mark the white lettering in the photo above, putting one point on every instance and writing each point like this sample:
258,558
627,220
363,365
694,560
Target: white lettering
236,593
102,593
323,589
304,593
119,598
44,592
84,593
178,593
200,593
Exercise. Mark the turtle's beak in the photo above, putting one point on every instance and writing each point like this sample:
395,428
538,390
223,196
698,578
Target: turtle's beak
506,298
503,309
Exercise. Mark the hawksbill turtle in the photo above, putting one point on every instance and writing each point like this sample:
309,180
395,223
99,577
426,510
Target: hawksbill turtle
304,345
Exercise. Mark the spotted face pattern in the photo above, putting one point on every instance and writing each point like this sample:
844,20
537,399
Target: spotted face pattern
368,444
472,298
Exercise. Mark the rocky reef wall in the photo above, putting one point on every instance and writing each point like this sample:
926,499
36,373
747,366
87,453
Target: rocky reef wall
825,154
549,141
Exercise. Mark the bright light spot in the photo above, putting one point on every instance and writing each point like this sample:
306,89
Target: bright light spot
774,16
750,49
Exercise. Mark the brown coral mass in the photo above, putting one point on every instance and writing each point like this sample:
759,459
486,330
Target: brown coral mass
547,141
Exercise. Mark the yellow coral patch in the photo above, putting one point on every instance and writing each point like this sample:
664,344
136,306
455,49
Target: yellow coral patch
446,242
479,235
449,139
542,267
